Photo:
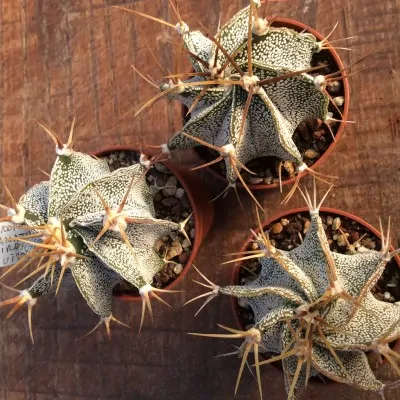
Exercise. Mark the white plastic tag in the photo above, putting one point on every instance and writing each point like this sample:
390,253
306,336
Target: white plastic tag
10,250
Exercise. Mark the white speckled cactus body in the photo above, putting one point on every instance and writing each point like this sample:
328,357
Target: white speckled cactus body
314,309
247,98
95,226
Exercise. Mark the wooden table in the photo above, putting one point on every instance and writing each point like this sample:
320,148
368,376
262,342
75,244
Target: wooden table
64,58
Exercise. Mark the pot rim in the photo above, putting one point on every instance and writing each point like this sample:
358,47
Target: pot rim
334,211
292,24
197,240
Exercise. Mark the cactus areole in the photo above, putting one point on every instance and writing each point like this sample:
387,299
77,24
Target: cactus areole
251,88
92,228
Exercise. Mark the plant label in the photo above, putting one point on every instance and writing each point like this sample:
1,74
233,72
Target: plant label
10,250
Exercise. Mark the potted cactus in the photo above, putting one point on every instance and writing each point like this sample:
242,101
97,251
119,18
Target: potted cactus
179,195
314,309
247,97
93,228
315,140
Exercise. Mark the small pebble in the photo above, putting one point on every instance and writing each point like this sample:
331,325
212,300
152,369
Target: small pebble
336,224
175,250
169,191
159,181
310,154
169,201
173,236
319,134
170,186
254,246
183,258
158,197
186,204
294,227
369,243
178,269
306,226
289,168
159,167
339,101
329,220
333,87
284,222
180,192
185,244
192,233
177,244
255,180
157,245
302,129
387,295
175,211
277,228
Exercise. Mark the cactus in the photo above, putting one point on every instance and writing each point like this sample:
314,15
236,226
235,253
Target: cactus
249,92
91,226
315,310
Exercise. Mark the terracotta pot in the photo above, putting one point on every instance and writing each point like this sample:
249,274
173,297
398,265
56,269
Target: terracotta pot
333,212
298,26
203,210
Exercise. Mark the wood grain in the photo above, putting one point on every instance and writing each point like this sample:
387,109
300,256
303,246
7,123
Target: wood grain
71,57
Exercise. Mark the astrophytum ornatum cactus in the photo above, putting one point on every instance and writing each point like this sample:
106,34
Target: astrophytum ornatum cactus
314,309
95,226
249,90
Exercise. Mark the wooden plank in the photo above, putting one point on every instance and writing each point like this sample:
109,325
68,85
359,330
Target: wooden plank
61,59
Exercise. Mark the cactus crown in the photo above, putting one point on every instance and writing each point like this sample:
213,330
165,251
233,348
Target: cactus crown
314,309
92,226
250,91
